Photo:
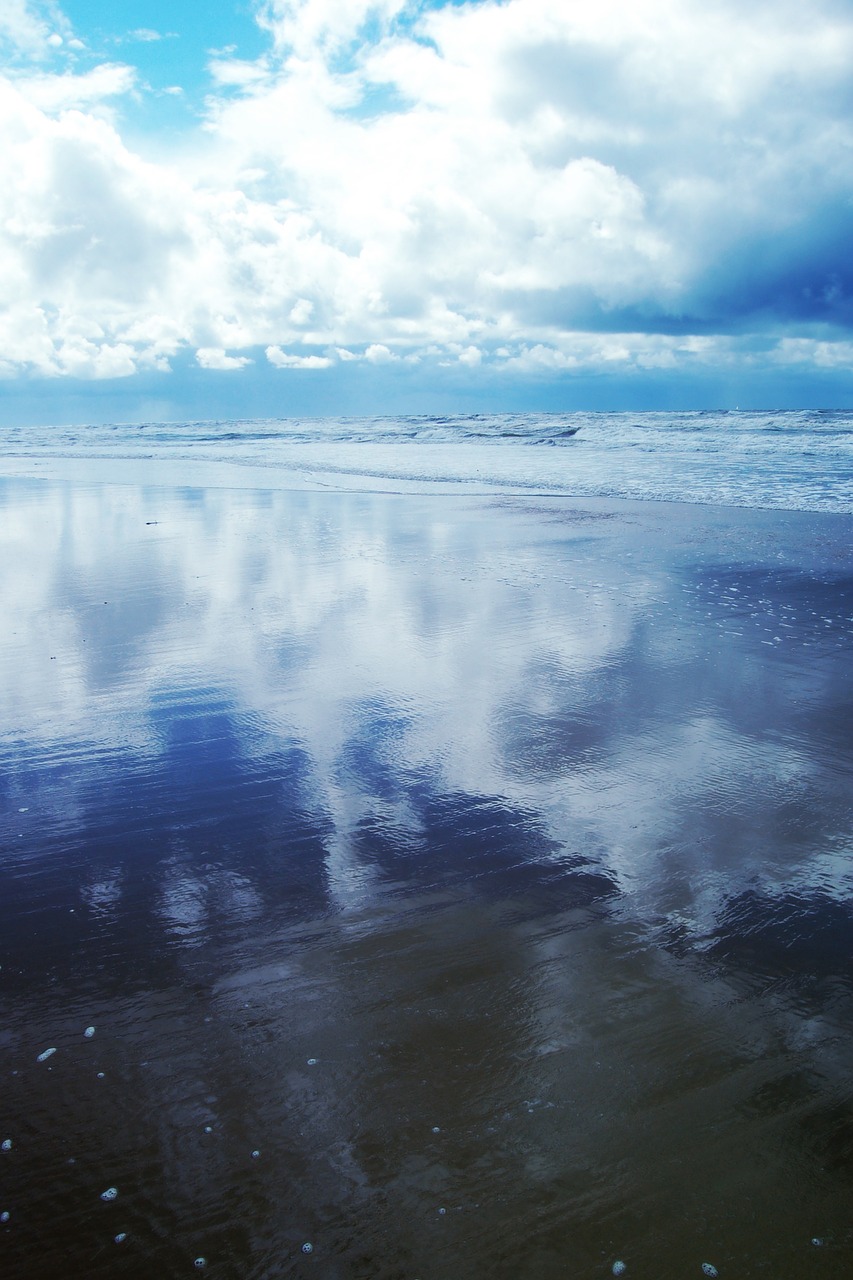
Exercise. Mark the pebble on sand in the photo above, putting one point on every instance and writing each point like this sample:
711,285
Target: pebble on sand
710,1270
619,1268
89,1032
48,1053
6,1144
110,1193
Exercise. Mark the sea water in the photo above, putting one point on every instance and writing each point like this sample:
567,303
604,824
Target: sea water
453,862
786,460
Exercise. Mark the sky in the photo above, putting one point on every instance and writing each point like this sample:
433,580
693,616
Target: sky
276,207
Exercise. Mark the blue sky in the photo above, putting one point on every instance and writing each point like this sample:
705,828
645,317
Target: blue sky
332,206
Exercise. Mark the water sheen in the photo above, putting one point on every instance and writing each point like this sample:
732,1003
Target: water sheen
423,886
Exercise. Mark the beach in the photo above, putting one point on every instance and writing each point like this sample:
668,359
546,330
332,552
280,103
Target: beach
454,883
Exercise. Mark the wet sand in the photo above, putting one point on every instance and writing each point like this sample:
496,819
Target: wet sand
458,885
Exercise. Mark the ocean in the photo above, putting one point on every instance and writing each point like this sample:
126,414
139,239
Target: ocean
783,460
426,849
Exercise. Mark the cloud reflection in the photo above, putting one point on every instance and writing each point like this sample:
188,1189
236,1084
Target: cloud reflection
211,662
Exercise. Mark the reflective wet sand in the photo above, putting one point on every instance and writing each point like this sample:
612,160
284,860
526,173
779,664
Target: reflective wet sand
460,887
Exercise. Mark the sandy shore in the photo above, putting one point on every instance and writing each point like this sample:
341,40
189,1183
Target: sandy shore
482,863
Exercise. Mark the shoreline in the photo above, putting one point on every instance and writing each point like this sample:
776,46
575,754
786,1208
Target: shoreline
462,469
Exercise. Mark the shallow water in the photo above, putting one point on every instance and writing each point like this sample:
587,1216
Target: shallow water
458,886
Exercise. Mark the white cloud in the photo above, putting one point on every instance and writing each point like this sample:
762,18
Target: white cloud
59,92
303,26
378,353
216,358
29,28
88,233
480,212
236,72
301,311
481,179
285,360
619,351
826,355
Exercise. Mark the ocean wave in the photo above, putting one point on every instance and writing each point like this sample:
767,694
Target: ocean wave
790,460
